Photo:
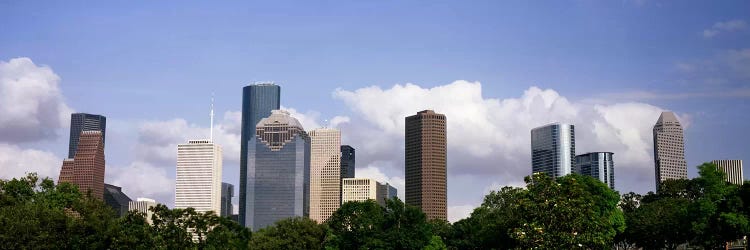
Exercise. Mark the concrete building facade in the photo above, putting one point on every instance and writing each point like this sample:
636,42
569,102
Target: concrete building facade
426,163
733,169
553,149
669,149
86,169
198,182
142,205
325,173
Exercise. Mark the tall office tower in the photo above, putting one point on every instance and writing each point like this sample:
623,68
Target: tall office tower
553,149
669,149
598,165
386,192
227,192
257,102
86,169
426,163
142,205
116,199
84,122
278,172
325,173
733,169
198,182
347,161
359,189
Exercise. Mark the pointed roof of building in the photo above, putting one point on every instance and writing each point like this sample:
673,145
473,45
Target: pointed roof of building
280,117
667,117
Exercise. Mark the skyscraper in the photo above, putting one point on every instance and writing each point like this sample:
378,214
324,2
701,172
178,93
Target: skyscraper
84,122
86,169
257,102
325,173
553,149
116,199
669,149
426,163
278,172
227,192
598,165
198,182
142,205
386,192
347,161
733,169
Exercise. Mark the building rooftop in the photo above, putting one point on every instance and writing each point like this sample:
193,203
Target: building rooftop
667,116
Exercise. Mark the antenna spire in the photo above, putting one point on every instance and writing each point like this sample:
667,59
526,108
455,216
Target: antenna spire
212,116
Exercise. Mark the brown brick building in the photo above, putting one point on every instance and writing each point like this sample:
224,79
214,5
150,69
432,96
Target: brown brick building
86,169
426,163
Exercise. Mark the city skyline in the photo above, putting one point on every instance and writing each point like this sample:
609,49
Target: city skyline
496,69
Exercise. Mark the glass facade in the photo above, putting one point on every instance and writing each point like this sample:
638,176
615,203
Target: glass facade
84,122
553,149
227,192
257,102
598,165
347,161
278,172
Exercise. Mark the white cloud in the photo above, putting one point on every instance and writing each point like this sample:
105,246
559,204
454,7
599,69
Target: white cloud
456,213
157,140
31,103
140,179
309,120
728,26
489,138
15,162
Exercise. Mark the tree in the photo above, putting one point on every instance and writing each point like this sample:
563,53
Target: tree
663,223
291,233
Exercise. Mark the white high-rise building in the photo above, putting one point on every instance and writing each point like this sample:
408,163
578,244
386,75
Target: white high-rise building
325,173
198,183
733,169
142,205
669,149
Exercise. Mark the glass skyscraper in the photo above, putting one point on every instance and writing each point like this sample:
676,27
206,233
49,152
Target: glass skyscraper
84,122
227,192
278,172
598,165
347,161
257,102
553,149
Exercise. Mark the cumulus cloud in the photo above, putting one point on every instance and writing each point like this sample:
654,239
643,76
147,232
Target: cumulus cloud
489,138
728,26
140,179
15,162
31,103
373,171
157,140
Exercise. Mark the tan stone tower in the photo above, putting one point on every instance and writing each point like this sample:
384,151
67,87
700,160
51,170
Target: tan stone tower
86,169
325,173
669,149
426,163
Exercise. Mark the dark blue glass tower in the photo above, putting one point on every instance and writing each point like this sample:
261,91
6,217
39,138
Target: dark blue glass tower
257,102
347,161
84,122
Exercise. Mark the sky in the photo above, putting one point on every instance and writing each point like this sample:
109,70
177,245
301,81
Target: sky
496,69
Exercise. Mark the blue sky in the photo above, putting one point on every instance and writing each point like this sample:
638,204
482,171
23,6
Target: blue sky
149,62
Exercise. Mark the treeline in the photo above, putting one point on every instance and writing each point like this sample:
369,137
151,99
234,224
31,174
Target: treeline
572,212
